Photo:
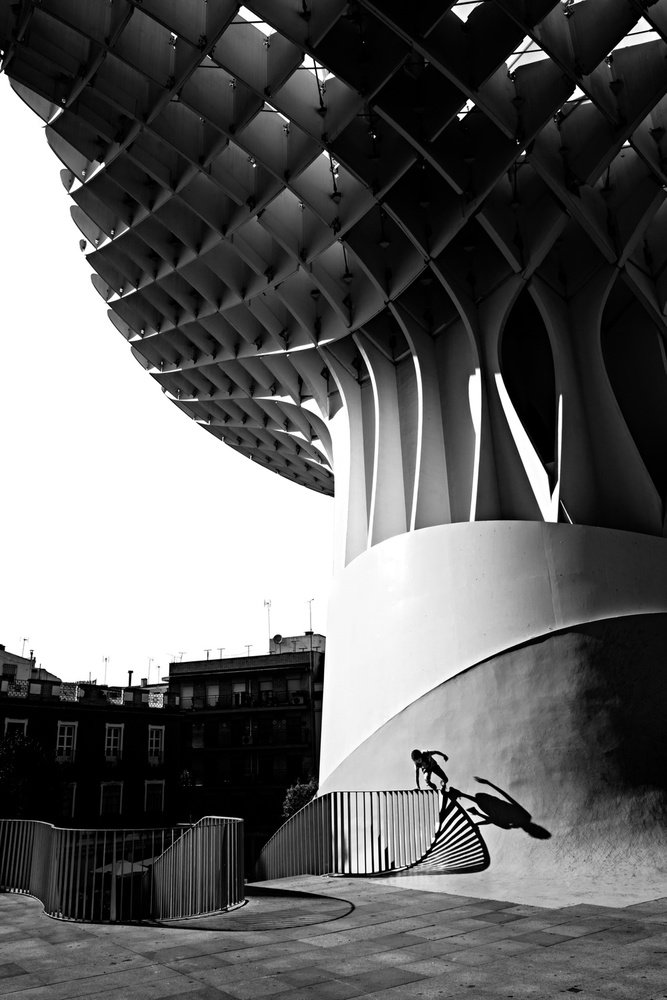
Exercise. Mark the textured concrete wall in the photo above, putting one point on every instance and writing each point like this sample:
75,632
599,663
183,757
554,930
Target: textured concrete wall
424,606
572,725
534,656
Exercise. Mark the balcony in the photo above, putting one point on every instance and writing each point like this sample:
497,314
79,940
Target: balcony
265,700
85,694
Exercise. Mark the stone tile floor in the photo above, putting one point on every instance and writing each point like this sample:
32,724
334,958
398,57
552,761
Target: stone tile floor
337,939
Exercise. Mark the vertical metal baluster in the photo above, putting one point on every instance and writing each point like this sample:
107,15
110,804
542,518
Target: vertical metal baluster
67,877
4,846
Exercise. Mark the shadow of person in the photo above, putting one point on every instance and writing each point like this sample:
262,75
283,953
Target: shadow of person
505,813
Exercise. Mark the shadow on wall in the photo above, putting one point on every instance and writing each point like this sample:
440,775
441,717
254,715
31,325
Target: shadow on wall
505,813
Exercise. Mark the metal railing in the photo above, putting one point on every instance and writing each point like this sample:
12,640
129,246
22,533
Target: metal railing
108,875
355,833
65,691
202,872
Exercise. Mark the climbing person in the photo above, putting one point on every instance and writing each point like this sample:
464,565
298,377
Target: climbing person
423,761
508,815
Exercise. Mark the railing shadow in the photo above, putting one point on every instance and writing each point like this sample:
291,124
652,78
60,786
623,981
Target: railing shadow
373,833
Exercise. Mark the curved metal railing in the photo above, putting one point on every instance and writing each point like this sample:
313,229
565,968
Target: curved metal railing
352,833
202,872
107,875
457,848
374,833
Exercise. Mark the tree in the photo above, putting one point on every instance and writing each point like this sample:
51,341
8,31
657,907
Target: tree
299,795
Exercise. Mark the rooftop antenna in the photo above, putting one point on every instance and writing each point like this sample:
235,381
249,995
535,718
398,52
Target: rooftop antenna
150,664
23,646
267,605
220,649
309,602
207,651
248,647
105,660
180,656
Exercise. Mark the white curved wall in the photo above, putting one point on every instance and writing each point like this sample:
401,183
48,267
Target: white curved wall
421,607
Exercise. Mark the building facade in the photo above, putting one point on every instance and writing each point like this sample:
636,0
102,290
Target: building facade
250,729
109,756
218,737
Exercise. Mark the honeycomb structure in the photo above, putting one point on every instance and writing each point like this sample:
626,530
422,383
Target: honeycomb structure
427,237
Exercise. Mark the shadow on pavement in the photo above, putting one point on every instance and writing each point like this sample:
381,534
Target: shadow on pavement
270,909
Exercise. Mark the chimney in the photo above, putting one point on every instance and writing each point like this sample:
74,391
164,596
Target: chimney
144,682
129,678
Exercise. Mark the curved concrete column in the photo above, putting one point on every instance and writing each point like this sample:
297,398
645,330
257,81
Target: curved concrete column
421,608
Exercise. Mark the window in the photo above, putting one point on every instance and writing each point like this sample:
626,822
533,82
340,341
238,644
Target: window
187,694
68,800
294,730
250,766
198,736
212,695
155,745
66,742
111,798
239,691
279,767
279,731
295,768
295,691
153,796
113,743
15,727
266,692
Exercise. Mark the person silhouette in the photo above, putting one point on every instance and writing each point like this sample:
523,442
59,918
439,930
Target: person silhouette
423,761
508,815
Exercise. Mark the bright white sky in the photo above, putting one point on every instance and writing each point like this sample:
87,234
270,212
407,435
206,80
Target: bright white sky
127,530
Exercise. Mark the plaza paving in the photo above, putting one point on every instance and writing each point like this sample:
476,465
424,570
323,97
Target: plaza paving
312,938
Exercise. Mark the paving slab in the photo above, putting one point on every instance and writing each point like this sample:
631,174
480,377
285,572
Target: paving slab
338,939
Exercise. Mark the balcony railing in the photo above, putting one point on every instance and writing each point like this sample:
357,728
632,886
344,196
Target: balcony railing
373,833
264,700
123,875
51,691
